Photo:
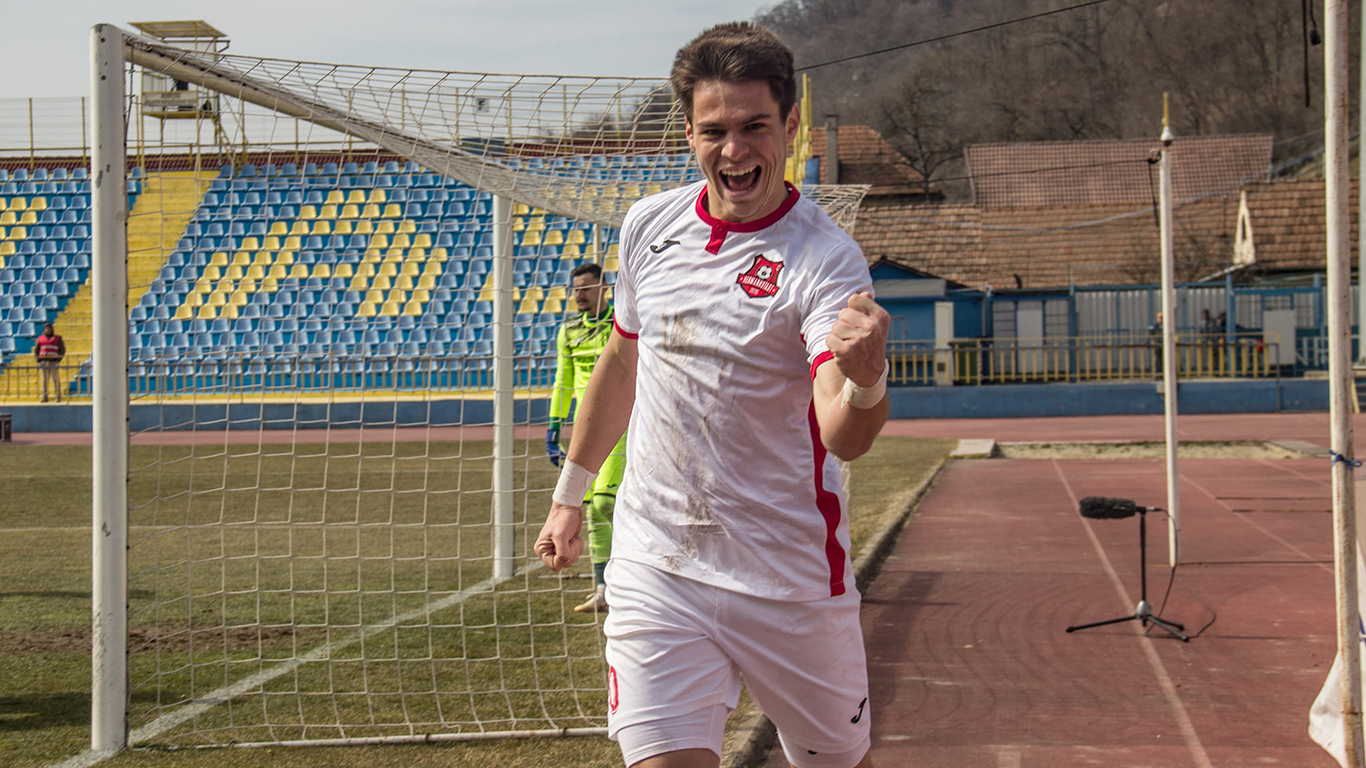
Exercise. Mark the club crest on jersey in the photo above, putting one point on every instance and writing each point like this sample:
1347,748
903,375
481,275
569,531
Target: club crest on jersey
761,279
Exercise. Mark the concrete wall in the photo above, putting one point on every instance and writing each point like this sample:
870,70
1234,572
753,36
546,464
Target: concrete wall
1020,400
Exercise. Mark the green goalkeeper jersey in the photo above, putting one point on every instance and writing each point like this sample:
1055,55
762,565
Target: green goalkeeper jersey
579,344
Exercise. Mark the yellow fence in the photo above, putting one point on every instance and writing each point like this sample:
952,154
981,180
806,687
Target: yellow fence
1014,361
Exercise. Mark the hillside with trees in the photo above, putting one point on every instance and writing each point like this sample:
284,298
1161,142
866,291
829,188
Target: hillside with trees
1098,72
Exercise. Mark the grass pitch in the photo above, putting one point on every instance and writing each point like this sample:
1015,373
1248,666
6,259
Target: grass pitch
245,559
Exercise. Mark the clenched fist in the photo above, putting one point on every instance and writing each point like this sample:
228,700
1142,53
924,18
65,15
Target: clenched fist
859,340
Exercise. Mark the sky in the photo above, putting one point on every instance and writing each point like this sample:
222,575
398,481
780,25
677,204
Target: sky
45,46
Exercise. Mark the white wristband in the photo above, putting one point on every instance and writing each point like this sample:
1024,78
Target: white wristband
573,485
864,398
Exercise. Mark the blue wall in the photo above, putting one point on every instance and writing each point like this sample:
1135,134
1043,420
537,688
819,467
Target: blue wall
1007,401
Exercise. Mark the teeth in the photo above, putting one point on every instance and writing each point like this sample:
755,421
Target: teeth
750,169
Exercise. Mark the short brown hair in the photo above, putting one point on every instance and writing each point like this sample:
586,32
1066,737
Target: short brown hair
732,53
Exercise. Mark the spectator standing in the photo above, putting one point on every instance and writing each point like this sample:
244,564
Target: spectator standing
49,351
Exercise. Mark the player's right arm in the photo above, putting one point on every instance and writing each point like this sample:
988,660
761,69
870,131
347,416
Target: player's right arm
603,415
560,395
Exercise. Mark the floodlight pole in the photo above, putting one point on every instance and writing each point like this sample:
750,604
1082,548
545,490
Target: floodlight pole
1345,550
503,565
109,372
1169,357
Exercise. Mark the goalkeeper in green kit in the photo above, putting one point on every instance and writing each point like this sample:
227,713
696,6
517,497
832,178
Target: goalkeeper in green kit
580,342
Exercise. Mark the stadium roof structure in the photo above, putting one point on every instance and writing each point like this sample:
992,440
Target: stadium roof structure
1118,172
867,158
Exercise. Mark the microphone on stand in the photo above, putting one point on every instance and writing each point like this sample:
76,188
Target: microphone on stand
1106,508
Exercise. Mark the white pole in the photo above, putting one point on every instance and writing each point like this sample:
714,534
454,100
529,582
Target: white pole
109,366
503,565
1361,203
1336,150
1169,358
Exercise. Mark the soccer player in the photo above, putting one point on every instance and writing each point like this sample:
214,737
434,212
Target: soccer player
748,353
580,342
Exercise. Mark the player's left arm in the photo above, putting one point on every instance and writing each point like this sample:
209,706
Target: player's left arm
858,343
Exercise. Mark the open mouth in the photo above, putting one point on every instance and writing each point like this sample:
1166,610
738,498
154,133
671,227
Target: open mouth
740,180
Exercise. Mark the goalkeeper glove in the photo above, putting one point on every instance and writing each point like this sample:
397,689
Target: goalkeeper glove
552,445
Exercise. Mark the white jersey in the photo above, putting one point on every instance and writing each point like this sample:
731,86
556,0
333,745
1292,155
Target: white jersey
727,481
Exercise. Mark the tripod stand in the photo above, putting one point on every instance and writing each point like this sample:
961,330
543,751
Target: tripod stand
1143,611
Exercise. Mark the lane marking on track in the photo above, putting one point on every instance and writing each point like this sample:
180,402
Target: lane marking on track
1164,680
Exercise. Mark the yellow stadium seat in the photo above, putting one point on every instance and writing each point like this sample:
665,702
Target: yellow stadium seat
366,269
206,312
344,270
278,272
219,259
279,229
390,309
426,283
531,237
388,269
519,225
371,211
401,241
18,204
654,188
404,282
344,227
411,268
412,308
234,272
7,248
349,211
241,258
251,244
373,256
385,227
217,299
553,237
328,212
520,209
417,254
270,243
486,293
256,272
438,254
374,296
335,197
379,241
194,299
322,271
284,257
184,312
359,283
356,197
299,228
381,283
18,233
570,251
536,223
7,218
270,285
365,227
241,297
609,264
293,243
556,292
299,271
407,227
263,258
29,218
552,306
378,196
392,210
322,227
529,306
366,309
576,237
38,204
306,213
395,255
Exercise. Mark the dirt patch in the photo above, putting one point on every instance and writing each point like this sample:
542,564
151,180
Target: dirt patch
142,639
1252,449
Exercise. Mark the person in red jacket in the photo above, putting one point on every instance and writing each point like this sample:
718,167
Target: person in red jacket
49,350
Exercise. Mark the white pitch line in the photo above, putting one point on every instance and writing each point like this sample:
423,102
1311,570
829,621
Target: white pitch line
166,722
1164,680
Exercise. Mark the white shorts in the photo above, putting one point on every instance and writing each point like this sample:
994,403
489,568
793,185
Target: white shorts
677,648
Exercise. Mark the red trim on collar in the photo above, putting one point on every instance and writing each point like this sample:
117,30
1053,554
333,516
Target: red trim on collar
719,228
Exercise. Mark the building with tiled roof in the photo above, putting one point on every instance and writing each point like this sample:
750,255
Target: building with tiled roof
866,158
1282,226
1118,172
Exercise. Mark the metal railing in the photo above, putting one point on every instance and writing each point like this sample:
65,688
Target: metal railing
1076,359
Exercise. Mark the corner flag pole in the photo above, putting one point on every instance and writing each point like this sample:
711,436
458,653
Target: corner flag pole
1336,152
1169,358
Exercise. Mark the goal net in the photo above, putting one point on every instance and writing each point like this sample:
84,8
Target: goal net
344,285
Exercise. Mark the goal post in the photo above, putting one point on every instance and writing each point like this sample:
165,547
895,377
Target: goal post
325,298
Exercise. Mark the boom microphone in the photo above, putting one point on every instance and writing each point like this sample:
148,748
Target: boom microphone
1106,508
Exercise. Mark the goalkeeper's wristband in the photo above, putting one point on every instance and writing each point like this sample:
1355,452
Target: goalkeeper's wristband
573,485
864,398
